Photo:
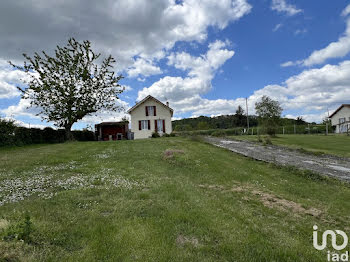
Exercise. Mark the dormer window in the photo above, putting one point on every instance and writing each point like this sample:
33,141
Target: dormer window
151,111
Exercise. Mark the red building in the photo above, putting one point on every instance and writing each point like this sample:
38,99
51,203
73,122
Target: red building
106,131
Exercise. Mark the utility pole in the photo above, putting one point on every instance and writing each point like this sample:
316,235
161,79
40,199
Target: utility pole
327,122
246,105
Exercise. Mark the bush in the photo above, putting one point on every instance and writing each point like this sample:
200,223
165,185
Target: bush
7,132
155,135
219,133
84,135
267,140
21,231
11,135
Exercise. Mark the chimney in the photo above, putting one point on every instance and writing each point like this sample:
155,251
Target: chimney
167,104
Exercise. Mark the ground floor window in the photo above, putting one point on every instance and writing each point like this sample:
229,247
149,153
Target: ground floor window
160,125
144,124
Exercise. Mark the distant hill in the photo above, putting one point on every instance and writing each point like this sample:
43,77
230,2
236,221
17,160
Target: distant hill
224,122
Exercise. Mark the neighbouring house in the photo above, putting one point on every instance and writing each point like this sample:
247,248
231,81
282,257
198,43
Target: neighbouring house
106,131
149,116
341,119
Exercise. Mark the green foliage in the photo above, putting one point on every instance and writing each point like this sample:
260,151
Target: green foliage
185,127
218,122
21,231
71,84
219,133
12,135
202,126
310,144
267,140
7,132
269,112
191,208
155,135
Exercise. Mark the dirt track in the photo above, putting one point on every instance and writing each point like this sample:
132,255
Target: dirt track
325,165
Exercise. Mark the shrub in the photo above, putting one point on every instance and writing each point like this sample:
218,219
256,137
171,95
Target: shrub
7,132
219,133
83,135
155,135
259,139
267,140
11,135
20,231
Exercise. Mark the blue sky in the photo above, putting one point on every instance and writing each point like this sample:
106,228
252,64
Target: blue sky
203,57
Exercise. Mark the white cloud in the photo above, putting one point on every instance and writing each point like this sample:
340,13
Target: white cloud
336,49
201,71
127,29
23,108
300,31
346,11
9,79
311,92
277,27
28,124
143,67
291,63
7,90
107,116
282,6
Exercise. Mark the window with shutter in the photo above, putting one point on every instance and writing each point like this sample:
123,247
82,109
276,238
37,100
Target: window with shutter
144,124
150,111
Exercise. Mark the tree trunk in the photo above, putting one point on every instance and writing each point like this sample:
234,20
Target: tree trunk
69,135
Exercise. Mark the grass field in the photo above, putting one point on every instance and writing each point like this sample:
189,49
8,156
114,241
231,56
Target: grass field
332,144
166,199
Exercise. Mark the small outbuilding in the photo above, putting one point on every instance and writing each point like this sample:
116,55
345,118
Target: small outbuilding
341,119
107,131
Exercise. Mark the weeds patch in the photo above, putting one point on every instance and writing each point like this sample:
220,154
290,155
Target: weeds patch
183,241
268,199
170,153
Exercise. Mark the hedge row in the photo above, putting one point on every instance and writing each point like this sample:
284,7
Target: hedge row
10,134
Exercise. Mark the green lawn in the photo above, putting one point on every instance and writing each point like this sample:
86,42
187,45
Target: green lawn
331,144
132,201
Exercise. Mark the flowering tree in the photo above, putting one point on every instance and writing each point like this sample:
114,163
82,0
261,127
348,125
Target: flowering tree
70,85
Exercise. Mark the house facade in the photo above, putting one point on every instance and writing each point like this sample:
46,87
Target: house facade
341,119
107,131
149,116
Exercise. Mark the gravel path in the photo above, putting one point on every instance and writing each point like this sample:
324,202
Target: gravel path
333,166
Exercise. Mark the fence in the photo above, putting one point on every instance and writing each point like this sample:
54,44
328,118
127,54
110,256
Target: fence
291,129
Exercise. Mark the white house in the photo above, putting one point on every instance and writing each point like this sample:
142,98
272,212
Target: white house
341,119
149,116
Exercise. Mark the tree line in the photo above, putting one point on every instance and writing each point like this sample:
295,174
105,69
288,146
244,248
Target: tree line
268,111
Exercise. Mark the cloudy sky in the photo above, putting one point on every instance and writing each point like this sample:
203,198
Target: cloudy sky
203,56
